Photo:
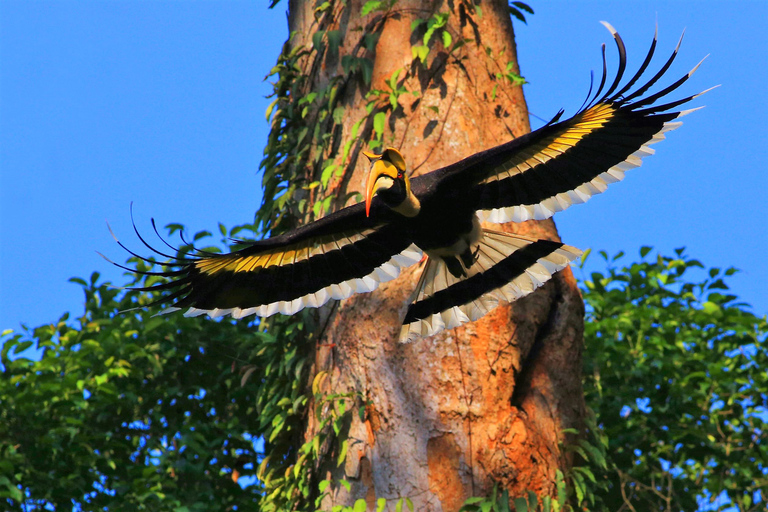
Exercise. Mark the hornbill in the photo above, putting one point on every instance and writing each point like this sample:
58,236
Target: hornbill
469,269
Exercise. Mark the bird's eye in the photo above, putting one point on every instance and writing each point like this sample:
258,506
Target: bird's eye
400,174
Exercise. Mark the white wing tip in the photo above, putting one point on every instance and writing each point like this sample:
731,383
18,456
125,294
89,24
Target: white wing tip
697,66
684,113
610,28
167,311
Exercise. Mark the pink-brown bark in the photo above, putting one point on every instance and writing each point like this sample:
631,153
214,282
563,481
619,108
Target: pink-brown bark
447,416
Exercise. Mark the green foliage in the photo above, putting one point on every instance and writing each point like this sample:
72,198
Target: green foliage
675,375
302,161
500,501
517,10
381,504
126,411
334,415
675,371
377,6
134,412
436,25
510,76
585,480
301,120
282,400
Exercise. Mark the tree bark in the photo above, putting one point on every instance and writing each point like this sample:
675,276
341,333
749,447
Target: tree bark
445,417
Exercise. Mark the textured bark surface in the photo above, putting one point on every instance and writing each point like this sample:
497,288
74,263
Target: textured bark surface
447,416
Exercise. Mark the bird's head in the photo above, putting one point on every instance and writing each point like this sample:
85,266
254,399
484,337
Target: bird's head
387,178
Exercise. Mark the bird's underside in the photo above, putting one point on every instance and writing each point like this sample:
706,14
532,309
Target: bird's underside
468,270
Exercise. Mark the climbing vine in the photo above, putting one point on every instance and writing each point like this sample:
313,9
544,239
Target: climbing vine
309,158
577,489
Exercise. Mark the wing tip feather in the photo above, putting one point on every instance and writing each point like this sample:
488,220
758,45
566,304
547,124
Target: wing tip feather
610,28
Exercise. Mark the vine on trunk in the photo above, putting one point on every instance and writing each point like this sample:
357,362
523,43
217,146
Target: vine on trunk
306,167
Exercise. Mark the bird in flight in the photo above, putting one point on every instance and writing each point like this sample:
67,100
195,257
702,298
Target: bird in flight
469,269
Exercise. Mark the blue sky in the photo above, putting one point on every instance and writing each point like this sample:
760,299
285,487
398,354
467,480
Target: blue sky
162,103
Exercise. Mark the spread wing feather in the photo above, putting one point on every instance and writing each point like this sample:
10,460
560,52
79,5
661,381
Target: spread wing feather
567,162
531,177
507,267
341,254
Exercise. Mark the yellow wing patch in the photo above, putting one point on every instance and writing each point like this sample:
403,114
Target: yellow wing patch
286,255
552,147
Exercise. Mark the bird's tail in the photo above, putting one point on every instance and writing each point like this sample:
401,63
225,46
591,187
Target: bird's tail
506,268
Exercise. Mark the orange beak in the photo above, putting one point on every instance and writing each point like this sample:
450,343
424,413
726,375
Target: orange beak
378,169
368,195
382,175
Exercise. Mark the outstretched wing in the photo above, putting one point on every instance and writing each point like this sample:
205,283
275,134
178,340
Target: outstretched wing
332,258
507,267
567,162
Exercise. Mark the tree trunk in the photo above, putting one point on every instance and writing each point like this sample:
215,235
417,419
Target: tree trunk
444,417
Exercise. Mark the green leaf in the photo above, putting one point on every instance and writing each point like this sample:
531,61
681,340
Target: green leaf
712,309
502,504
524,7
392,80
561,490
359,506
420,52
75,280
370,6
338,115
521,505
428,35
586,472
533,501
21,347
322,7
378,123
517,14
447,39
366,66
11,490
334,39
579,487
317,40
343,452
348,62
201,234
328,171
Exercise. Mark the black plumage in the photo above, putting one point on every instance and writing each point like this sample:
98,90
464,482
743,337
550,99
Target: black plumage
468,270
